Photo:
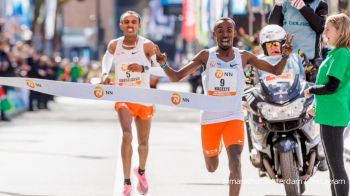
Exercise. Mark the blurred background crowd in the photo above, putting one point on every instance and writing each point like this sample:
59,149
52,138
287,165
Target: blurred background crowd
65,39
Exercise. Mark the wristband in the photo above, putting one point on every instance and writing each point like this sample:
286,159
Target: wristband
163,66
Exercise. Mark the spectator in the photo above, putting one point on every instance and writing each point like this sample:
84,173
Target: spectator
304,20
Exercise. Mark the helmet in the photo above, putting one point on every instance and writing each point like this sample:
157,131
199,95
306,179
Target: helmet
271,33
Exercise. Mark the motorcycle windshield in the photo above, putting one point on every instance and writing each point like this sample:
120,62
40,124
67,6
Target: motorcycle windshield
282,88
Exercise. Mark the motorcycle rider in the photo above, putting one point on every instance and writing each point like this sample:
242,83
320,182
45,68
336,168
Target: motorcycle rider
271,39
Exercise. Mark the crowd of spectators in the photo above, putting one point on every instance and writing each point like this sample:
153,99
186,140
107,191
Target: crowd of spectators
18,58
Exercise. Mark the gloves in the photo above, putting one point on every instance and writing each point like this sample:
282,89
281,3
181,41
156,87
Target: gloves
298,4
278,2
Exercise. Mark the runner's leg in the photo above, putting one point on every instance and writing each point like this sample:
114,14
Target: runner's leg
233,136
234,156
143,131
125,119
211,145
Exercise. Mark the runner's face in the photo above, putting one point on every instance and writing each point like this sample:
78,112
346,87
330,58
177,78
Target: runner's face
130,24
224,34
331,33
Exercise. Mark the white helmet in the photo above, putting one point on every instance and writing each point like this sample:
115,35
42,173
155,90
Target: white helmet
271,33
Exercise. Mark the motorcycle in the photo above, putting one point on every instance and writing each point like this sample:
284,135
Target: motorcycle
284,141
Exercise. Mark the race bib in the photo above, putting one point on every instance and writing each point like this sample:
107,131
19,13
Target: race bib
222,82
128,78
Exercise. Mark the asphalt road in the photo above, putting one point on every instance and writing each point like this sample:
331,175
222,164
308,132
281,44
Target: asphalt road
73,150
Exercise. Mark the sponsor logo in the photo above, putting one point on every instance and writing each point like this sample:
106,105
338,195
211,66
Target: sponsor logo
176,98
124,67
219,73
233,65
30,83
212,63
99,92
134,52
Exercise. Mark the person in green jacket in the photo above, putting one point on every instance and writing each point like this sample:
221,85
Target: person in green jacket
332,99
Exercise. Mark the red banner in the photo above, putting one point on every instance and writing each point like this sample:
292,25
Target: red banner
188,30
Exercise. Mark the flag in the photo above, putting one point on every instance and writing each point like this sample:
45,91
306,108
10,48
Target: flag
202,22
188,29
5,103
50,18
256,3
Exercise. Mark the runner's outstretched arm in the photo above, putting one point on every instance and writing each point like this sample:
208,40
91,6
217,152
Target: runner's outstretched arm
189,68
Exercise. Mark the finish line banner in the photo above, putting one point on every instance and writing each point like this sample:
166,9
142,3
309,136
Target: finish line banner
128,94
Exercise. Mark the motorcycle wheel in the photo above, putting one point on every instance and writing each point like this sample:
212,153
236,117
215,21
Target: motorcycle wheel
290,173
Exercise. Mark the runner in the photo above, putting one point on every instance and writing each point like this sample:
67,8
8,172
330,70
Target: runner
223,76
132,58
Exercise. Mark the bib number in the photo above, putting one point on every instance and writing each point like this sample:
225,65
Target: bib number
222,82
127,78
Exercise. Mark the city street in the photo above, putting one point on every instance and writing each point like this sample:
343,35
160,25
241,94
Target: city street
73,150
288,50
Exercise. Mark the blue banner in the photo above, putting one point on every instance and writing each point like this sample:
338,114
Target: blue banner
256,3
171,2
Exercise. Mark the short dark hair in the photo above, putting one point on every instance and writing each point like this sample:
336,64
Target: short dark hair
131,13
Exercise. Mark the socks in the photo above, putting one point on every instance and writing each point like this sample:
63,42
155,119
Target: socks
127,181
141,171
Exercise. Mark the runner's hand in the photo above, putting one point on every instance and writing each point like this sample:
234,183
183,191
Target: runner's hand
106,80
134,67
287,47
161,57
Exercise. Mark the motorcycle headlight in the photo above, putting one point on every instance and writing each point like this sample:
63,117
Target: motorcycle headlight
274,113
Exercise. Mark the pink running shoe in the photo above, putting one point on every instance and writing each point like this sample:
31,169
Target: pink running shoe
142,186
127,190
